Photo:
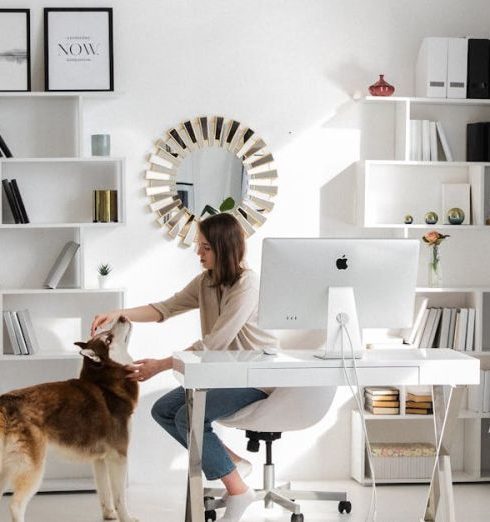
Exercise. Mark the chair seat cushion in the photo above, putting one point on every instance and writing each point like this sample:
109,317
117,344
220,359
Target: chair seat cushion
286,409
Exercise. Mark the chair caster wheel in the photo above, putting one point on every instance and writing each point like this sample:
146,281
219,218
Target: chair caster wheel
345,505
210,516
297,518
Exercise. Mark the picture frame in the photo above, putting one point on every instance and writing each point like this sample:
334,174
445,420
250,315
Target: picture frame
78,49
15,50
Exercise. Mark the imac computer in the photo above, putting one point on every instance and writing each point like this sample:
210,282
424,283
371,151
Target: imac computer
319,283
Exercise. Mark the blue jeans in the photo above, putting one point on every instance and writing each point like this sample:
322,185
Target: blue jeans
171,413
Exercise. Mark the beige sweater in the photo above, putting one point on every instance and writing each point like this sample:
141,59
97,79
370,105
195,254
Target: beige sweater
228,314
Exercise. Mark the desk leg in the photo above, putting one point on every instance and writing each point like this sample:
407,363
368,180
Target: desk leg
196,403
445,417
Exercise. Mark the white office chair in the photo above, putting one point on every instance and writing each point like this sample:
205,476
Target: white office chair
286,409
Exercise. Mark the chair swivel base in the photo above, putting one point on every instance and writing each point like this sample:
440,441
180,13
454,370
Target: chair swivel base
283,496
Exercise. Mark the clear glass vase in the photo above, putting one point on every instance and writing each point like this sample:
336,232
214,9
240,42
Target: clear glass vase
435,270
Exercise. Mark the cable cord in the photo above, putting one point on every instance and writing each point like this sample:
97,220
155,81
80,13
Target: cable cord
372,513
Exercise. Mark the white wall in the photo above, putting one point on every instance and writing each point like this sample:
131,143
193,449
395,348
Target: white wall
287,68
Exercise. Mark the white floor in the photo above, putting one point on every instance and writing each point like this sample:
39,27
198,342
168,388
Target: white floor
149,504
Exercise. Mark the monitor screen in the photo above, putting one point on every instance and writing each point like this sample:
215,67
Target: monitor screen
297,273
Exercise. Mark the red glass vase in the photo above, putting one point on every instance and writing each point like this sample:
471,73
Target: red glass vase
381,87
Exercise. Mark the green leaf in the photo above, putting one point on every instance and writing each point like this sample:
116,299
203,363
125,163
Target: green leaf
228,204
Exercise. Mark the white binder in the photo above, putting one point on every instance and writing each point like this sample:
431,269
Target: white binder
457,67
431,68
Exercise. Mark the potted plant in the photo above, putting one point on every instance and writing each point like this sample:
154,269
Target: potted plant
103,271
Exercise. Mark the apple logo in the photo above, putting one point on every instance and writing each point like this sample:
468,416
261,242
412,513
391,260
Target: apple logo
341,263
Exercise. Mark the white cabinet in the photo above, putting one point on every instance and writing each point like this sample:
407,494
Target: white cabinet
392,186
56,178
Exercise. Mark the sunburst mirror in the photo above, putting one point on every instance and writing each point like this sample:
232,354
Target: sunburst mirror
208,165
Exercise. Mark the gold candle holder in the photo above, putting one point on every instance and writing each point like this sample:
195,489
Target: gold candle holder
105,206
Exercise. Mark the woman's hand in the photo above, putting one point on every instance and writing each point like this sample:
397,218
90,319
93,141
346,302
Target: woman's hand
103,319
145,369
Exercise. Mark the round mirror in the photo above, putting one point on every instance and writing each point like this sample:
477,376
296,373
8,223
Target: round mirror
210,165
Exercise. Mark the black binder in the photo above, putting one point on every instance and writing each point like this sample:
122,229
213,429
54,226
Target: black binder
478,68
477,141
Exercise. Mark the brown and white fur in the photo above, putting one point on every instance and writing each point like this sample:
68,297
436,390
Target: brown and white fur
88,416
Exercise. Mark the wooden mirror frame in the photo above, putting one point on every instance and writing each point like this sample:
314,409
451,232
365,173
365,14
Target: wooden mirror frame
200,133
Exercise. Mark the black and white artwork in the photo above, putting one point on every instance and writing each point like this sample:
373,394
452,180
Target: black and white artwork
78,49
15,60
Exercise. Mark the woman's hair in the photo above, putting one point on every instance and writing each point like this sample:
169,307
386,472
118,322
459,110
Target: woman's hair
225,235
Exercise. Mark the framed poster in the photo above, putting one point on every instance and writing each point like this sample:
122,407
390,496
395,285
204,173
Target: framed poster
15,50
78,49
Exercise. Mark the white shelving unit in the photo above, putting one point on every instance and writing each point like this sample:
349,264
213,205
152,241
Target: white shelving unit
56,178
392,186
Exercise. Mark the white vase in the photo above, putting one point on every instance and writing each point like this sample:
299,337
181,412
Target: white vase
103,280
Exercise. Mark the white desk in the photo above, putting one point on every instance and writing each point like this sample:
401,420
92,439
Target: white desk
199,371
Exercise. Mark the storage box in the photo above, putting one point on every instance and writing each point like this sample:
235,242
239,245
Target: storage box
412,460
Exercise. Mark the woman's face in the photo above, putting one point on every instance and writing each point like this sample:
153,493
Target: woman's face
205,252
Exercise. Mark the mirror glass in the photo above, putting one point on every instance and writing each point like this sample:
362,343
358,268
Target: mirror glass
209,176
207,165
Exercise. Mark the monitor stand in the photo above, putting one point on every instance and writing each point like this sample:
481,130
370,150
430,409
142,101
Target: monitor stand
342,309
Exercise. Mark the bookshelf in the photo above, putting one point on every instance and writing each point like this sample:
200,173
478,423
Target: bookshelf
56,176
390,186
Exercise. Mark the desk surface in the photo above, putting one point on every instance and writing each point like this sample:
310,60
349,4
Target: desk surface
298,368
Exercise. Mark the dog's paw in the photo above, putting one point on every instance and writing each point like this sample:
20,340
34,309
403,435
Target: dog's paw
110,514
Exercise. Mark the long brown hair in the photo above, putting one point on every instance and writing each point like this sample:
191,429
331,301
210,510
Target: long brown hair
226,238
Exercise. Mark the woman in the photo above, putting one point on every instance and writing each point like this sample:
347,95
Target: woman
226,294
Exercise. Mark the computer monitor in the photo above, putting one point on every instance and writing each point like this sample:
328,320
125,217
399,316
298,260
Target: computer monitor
307,282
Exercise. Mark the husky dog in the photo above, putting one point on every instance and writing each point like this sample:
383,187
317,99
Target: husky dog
88,416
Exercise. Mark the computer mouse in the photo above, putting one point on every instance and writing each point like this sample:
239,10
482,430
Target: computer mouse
270,350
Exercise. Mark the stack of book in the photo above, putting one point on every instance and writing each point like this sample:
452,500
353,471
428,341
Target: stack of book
20,331
418,403
435,327
424,143
382,400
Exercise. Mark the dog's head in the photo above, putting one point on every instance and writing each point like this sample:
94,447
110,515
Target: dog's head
109,345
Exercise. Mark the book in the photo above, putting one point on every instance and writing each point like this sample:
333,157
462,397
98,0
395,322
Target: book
470,330
434,149
383,411
452,328
381,390
28,331
421,306
414,404
457,67
444,142
381,398
7,317
460,338
478,70
415,397
425,140
61,264
382,404
444,331
434,329
420,331
14,209
424,342
418,411
18,334
20,202
3,147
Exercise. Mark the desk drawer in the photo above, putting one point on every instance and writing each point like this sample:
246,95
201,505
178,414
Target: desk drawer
382,375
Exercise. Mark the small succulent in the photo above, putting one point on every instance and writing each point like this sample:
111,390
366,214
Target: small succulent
104,269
